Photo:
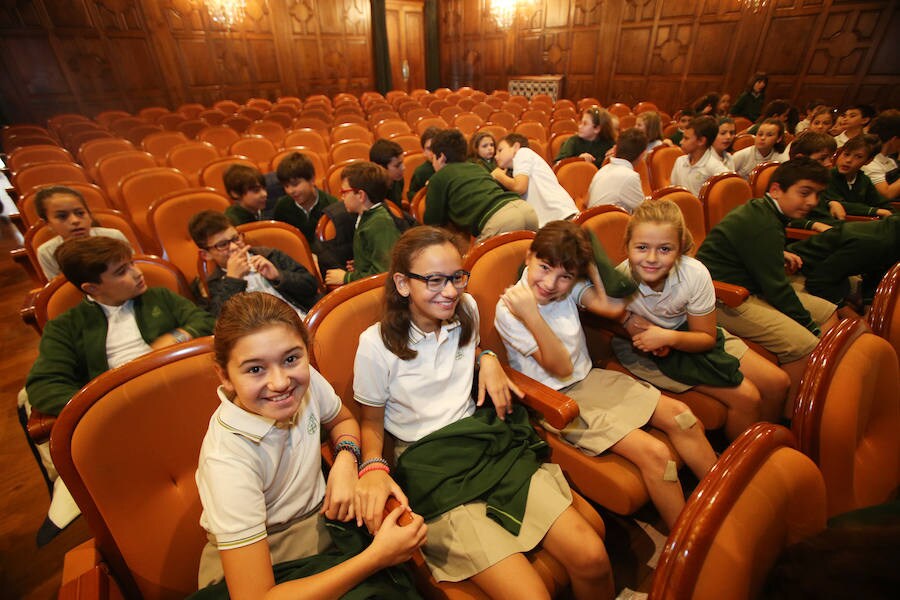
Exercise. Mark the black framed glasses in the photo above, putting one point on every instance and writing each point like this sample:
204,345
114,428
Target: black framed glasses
435,283
223,245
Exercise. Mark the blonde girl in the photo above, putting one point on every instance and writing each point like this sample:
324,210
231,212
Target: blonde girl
482,148
672,322
413,378
596,136
260,469
650,123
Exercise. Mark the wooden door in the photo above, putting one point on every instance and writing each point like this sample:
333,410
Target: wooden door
406,42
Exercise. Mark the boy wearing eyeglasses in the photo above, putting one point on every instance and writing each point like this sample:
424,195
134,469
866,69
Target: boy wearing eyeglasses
242,268
364,186
246,186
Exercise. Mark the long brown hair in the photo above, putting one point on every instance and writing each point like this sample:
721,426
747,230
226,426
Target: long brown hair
397,316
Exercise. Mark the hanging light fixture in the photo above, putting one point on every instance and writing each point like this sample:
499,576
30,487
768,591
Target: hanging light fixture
753,5
504,11
226,12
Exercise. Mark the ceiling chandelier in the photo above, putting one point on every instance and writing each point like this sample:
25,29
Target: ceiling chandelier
226,12
503,12
753,5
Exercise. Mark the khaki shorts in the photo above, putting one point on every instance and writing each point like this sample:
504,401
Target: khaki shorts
516,215
758,321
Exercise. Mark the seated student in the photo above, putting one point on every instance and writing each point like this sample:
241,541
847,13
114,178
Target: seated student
650,124
476,474
242,268
882,169
820,147
595,137
538,320
811,108
533,179
678,346
854,122
747,248
618,183
69,216
302,204
768,146
700,161
776,109
246,186
482,148
465,195
389,155
706,105
259,475
424,171
684,121
364,186
749,104
852,188
724,139
119,320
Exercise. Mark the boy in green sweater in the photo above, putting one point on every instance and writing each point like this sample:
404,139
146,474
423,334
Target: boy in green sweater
389,155
246,186
424,171
747,248
364,186
850,187
120,320
303,204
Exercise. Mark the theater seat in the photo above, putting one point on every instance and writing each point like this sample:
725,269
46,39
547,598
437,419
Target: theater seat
761,496
722,193
884,318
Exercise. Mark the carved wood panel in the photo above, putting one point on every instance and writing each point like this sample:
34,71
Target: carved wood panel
673,51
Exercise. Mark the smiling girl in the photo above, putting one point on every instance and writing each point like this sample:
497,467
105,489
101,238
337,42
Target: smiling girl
769,146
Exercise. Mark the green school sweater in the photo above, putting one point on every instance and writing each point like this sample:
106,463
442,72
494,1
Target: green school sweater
576,146
72,351
287,211
238,215
395,192
373,241
466,195
748,106
746,248
419,178
860,199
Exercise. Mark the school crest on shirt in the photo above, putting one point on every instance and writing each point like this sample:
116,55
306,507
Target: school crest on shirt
312,425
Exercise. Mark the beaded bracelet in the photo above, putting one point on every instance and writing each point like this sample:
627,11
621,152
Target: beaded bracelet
376,461
487,353
373,467
349,446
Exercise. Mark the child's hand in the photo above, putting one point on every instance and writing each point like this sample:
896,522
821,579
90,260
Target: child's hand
238,265
820,227
264,267
394,543
661,352
340,488
653,338
586,156
883,212
792,262
837,210
335,276
372,492
493,380
520,301
349,266
636,324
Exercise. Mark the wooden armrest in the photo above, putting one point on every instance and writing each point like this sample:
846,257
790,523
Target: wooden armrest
39,426
27,312
730,294
19,222
20,257
84,576
795,233
556,407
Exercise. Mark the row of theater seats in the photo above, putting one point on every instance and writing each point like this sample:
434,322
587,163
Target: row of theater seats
762,495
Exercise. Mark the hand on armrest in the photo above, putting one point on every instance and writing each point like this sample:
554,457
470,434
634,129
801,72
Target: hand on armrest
556,407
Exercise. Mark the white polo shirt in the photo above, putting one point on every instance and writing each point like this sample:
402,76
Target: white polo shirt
616,183
46,252
879,167
549,199
252,474
124,341
688,291
563,318
423,394
694,176
746,159
841,139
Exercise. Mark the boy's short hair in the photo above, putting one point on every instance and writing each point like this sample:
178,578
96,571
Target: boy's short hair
866,110
687,112
516,138
240,179
870,143
84,260
811,142
383,152
705,127
630,144
295,166
40,199
886,125
368,177
564,244
428,134
206,224
451,143
790,172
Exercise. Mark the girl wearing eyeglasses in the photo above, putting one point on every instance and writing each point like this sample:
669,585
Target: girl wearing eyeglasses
596,136
474,471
